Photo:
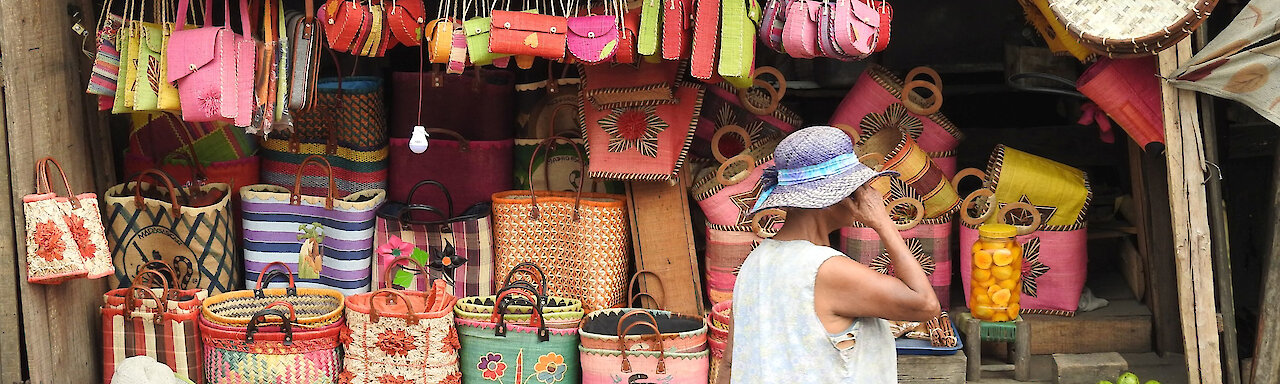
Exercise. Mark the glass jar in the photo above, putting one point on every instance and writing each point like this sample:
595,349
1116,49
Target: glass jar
995,281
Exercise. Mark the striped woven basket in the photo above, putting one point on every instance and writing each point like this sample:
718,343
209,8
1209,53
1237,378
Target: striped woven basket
930,241
891,148
313,307
283,352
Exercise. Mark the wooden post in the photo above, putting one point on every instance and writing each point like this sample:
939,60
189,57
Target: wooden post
1266,357
1185,156
44,103
1155,233
662,235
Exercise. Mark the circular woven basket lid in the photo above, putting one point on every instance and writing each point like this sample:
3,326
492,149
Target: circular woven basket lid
1129,20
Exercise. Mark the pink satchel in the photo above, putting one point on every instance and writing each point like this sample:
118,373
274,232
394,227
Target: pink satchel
800,33
857,28
775,17
593,39
213,67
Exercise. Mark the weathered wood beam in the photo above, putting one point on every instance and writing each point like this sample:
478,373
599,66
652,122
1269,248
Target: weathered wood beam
1189,209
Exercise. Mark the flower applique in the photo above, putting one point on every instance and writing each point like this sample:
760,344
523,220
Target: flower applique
81,235
492,366
633,128
48,239
550,368
389,379
395,247
345,377
395,343
210,102
344,336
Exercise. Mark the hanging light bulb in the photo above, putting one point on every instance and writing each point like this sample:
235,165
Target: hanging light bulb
418,142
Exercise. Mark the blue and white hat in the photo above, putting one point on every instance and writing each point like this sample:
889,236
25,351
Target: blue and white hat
814,168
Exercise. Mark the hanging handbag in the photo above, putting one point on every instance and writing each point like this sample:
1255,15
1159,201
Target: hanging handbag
65,236
408,337
458,249
532,34
648,142
675,29
327,238
1128,92
304,59
440,38
349,128
856,30
407,21
479,38
354,26
106,60
269,71
773,23
162,322
593,39
706,38
500,348
527,222
737,43
150,222
150,58
213,67
648,36
627,35
800,33
127,41
265,352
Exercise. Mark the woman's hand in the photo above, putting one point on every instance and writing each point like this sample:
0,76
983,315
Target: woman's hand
869,209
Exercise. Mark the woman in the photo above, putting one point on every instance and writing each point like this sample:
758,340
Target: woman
802,311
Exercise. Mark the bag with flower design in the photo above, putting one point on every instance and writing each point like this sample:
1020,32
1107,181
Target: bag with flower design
457,249
643,140
65,237
525,351
930,241
401,336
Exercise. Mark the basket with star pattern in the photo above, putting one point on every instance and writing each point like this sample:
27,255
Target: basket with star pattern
642,142
727,192
930,241
1055,251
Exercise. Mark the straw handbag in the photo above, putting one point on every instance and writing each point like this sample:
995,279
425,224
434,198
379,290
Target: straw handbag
327,239
626,362
65,238
409,337
473,169
580,239
455,248
603,329
873,98
641,142
727,193
1131,28
557,312
273,347
315,307
892,149
162,323
718,323
509,351
194,236
1053,199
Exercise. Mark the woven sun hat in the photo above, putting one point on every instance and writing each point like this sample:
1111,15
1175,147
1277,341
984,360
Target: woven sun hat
814,168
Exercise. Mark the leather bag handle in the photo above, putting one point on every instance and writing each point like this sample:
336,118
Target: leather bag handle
295,198
447,197
622,331
407,261
286,318
657,336
535,273
44,182
267,274
405,214
635,287
413,316
534,211
130,303
500,311
464,145
175,209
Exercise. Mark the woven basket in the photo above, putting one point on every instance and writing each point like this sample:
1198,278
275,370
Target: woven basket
580,239
556,312
727,192
1128,28
284,353
899,152
622,363
723,106
679,333
726,251
313,307
411,339
523,351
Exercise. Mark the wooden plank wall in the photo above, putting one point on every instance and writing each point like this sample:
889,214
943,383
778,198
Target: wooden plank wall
1266,357
45,115
1189,208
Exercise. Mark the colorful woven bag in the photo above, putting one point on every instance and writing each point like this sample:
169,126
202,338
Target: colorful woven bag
871,101
727,192
315,307
162,323
929,240
65,236
433,99
474,170
409,337
506,351
623,364
1053,199
151,222
327,239
751,109
893,149
727,249
557,312
603,329
348,125
272,348
535,226
1128,92
457,249
642,142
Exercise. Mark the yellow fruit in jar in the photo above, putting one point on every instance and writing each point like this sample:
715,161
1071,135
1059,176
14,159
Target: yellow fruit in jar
1002,257
993,244
982,259
983,312
1013,311
981,274
1002,272
999,317
986,284
1001,296
980,299
1008,284
1015,298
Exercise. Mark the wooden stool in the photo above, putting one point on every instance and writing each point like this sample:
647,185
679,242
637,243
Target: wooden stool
1016,333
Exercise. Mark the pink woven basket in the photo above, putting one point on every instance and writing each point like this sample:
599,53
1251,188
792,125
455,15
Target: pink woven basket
727,192
878,91
726,251
930,241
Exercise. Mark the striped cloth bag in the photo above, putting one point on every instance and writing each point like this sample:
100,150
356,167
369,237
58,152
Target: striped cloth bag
456,248
161,322
327,240
348,126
